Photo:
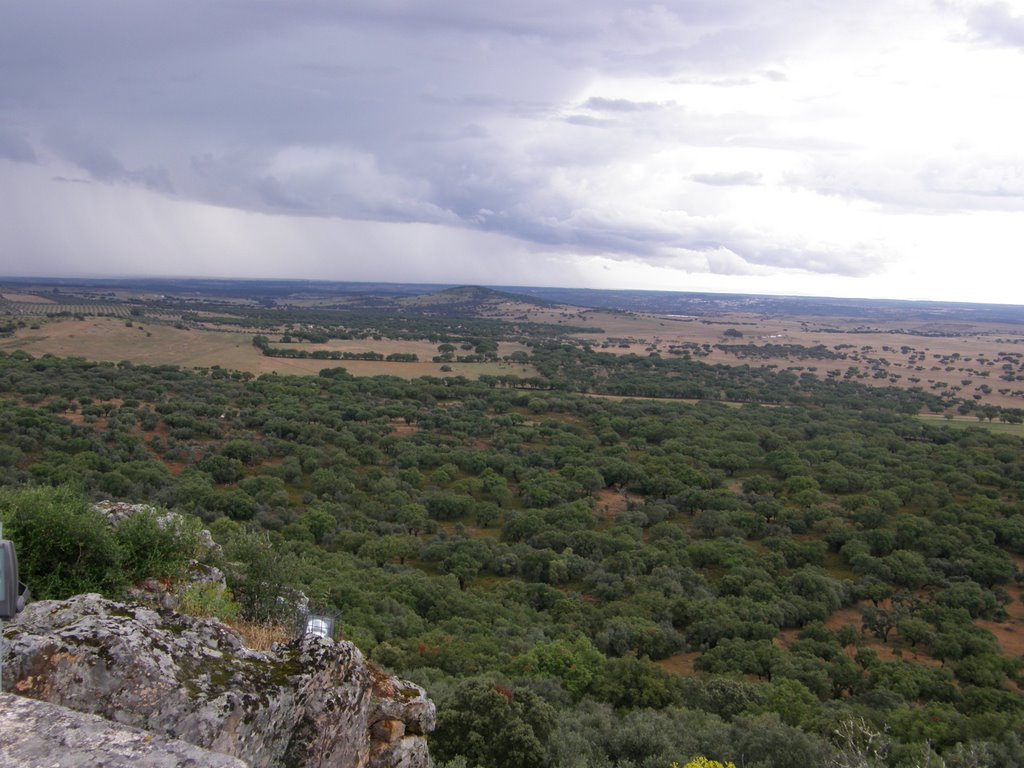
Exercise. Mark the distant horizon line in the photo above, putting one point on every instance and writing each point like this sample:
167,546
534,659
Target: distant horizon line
447,285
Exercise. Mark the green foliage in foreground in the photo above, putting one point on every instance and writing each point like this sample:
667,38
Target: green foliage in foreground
67,548
149,547
64,548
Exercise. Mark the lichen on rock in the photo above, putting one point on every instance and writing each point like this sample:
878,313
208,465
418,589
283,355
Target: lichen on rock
35,733
308,702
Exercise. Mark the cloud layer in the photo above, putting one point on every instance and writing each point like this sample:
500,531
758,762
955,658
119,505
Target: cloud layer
784,146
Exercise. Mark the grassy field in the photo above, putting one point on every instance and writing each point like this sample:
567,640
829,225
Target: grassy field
964,360
25,298
961,359
113,340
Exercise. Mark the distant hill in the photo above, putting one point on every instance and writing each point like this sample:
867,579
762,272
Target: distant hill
707,304
496,301
472,300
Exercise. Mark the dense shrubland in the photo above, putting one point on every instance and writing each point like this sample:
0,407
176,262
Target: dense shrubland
824,572
67,547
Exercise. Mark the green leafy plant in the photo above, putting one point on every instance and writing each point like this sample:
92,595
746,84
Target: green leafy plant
209,600
703,762
153,546
64,547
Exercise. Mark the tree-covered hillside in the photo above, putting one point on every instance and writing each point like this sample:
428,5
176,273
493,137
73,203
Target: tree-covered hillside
584,581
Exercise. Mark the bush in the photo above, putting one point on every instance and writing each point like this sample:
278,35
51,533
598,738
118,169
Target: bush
258,577
209,600
155,548
64,547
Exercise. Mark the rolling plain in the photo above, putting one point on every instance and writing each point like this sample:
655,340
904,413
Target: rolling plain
751,528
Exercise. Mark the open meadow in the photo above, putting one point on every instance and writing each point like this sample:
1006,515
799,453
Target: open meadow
965,359
983,362
114,339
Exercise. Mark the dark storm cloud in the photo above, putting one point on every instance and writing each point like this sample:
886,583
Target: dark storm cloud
102,165
309,71
496,118
14,146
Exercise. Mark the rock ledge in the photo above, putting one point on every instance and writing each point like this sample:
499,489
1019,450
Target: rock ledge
34,733
311,702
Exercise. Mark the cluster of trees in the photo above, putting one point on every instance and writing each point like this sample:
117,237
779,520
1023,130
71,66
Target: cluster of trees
380,320
796,351
553,560
262,343
572,367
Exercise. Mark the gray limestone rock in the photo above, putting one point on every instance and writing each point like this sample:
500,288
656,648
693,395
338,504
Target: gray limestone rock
309,702
34,734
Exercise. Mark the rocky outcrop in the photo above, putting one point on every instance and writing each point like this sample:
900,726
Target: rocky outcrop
34,733
169,593
310,702
116,512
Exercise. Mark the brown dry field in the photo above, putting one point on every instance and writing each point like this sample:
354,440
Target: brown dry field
680,663
898,349
879,354
26,298
887,347
109,339
609,503
1010,633
425,350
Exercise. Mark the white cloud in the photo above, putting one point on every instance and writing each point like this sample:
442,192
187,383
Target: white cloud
728,179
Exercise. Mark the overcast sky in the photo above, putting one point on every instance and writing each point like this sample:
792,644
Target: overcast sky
869,148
